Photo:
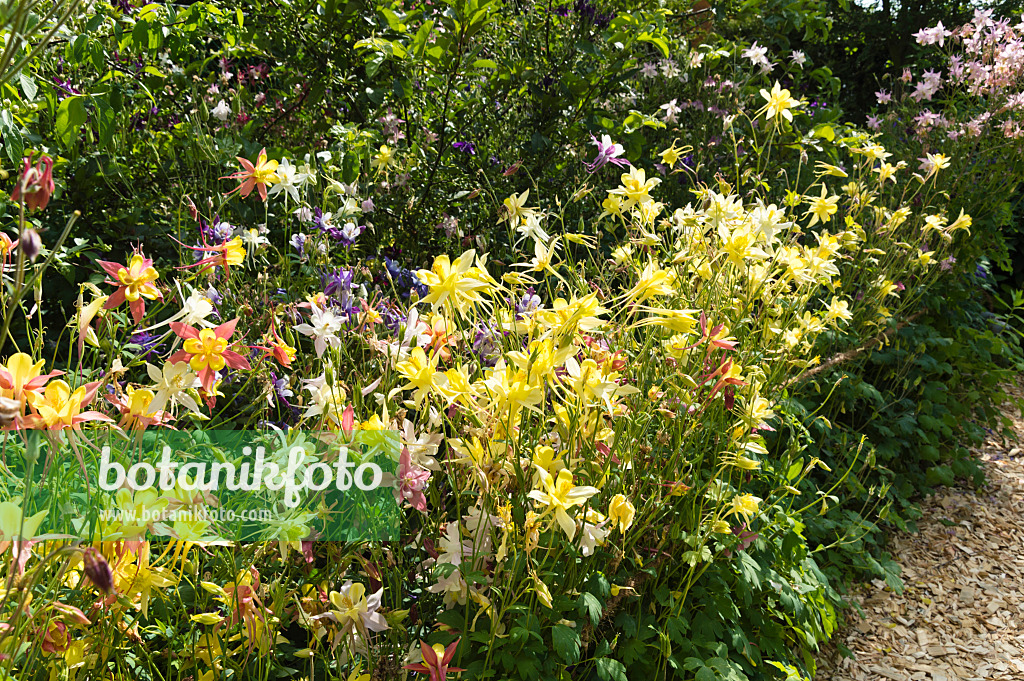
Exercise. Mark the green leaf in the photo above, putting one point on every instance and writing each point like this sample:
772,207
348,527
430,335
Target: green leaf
485,64
28,86
566,642
825,132
150,12
97,55
657,41
794,470
14,146
105,121
589,604
70,118
706,674
419,41
610,670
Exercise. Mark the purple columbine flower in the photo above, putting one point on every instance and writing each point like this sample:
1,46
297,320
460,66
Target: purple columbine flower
281,391
404,279
607,152
465,147
529,302
298,242
147,341
486,345
349,233
222,231
338,283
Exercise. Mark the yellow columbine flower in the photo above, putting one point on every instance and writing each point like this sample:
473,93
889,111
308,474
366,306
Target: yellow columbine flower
207,351
21,376
779,103
60,407
559,496
671,155
886,171
822,207
234,252
838,309
458,282
621,512
962,222
516,210
384,158
635,187
745,505
420,371
14,524
654,281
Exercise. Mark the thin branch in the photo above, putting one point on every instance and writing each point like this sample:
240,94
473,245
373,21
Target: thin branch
851,354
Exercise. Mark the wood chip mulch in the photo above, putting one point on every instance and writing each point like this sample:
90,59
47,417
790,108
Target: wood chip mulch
961,614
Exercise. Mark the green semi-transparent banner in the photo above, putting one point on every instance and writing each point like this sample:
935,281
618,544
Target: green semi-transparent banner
201,486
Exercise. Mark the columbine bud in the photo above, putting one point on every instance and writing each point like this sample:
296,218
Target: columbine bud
97,569
30,243
35,184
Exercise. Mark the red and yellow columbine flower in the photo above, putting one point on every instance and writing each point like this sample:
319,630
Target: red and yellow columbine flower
228,254
60,407
259,175
207,351
21,377
134,282
135,409
281,351
7,246
436,661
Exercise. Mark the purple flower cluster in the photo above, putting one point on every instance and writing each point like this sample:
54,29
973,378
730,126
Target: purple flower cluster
405,280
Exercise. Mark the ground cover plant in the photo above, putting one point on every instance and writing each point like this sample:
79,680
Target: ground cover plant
604,295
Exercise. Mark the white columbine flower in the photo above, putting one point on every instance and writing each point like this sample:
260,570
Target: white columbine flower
172,385
325,400
221,111
324,329
350,231
290,180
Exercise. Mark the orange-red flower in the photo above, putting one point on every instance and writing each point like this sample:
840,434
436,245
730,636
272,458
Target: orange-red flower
280,350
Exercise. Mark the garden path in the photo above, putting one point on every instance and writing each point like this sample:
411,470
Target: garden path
961,615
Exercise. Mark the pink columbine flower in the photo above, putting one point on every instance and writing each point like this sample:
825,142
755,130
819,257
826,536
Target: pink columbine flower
410,481
36,183
607,152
